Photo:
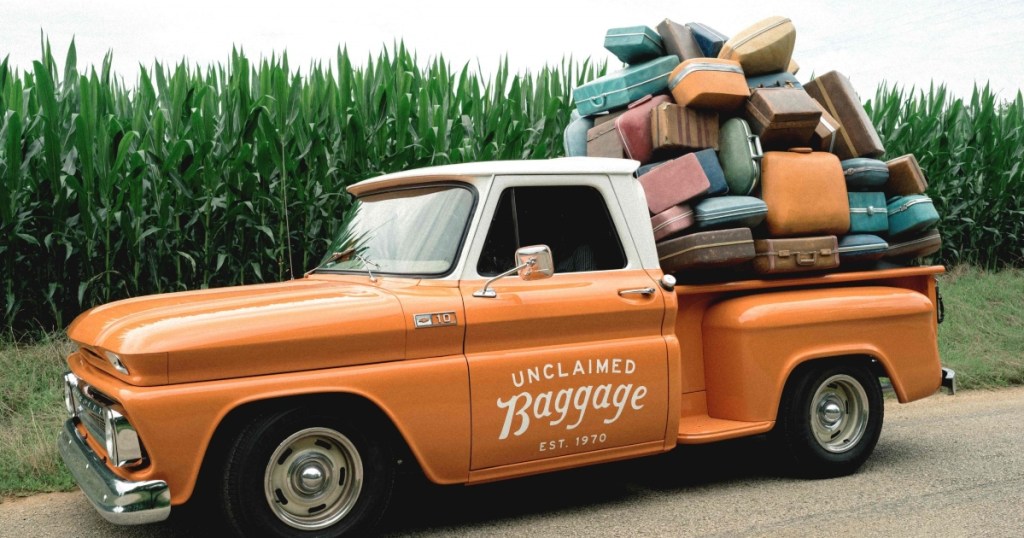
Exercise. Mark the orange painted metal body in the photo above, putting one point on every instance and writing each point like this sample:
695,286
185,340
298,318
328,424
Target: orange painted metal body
550,374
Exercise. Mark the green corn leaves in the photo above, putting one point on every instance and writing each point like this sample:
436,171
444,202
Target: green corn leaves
233,173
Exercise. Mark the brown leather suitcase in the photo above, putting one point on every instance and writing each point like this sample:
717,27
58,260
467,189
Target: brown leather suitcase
674,182
604,141
672,221
765,47
826,132
634,127
805,192
782,117
677,128
857,135
709,83
678,40
905,177
796,254
704,250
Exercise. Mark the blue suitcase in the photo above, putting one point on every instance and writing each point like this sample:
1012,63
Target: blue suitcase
911,214
857,248
784,79
708,39
574,138
868,213
730,212
616,90
634,44
708,159
647,168
864,174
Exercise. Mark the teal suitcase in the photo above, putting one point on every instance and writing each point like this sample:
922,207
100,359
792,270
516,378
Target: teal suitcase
868,213
616,90
911,214
858,248
730,212
864,174
634,44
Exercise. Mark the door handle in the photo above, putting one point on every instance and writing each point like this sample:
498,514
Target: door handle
646,292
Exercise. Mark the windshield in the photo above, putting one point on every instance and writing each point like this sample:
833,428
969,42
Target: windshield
405,232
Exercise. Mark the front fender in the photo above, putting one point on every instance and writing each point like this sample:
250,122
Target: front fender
753,343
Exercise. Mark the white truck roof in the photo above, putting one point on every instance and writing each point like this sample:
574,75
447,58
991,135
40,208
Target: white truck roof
561,166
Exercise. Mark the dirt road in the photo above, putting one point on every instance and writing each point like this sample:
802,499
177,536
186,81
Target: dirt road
944,466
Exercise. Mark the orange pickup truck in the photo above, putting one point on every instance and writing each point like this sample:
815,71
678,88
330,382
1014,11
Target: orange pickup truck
480,321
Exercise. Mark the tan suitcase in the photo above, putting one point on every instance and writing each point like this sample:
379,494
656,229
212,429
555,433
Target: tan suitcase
709,83
783,118
857,135
604,141
805,192
826,132
796,254
678,128
765,47
905,177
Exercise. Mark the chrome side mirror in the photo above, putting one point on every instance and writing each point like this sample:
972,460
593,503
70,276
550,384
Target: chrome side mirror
534,263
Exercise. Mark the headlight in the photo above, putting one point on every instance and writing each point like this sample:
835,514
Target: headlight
115,361
70,382
122,440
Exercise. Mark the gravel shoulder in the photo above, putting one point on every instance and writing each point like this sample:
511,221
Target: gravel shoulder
944,465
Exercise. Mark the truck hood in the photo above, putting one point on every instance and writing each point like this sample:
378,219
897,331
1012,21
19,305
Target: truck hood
243,331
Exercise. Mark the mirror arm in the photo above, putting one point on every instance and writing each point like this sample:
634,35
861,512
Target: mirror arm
489,293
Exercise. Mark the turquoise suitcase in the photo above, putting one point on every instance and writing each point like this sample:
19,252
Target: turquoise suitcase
784,79
574,138
911,214
730,212
857,248
864,174
616,90
634,44
868,213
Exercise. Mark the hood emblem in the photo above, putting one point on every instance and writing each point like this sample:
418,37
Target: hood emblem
434,319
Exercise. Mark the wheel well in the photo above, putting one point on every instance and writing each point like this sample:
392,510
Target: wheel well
233,423
874,364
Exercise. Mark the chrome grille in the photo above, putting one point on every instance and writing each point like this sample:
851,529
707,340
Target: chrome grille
89,410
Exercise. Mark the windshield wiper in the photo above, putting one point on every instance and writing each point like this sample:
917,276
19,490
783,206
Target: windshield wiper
367,263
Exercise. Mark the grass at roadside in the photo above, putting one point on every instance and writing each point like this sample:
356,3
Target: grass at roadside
983,335
982,339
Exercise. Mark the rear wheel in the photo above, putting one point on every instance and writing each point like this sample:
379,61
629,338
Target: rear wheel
298,473
830,418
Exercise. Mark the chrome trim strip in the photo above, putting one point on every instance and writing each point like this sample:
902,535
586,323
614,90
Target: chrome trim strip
119,501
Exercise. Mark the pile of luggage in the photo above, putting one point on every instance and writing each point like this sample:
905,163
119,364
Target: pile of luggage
742,163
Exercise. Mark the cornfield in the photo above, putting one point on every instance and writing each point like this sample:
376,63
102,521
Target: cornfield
202,177
232,174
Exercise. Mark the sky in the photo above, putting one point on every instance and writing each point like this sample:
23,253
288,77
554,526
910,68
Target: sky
906,42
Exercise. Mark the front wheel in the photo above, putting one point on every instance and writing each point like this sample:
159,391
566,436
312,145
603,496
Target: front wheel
297,473
830,418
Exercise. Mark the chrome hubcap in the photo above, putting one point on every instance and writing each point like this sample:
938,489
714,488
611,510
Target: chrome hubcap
839,413
313,479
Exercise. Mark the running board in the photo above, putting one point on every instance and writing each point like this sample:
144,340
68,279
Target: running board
699,429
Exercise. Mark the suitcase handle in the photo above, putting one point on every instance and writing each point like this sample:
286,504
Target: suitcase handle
806,258
756,152
597,100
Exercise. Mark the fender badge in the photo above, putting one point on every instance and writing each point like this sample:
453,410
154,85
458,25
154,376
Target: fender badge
434,319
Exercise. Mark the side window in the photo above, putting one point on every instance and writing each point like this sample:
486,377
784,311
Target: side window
573,221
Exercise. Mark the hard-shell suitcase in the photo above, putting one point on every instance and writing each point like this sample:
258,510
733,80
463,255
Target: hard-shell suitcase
705,250
708,39
781,79
709,83
678,40
672,221
864,174
805,192
634,44
647,168
608,116
918,246
857,137
765,47
634,126
618,89
868,213
782,117
857,248
673,183
574,138
604,141
793,67
826,132
739,151
905,177
909,215
713,169
678,129
796,254
730,212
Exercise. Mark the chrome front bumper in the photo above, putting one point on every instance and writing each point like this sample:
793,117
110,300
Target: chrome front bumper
949,380
119,501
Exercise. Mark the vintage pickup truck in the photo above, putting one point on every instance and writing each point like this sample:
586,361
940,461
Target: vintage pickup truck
415,342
